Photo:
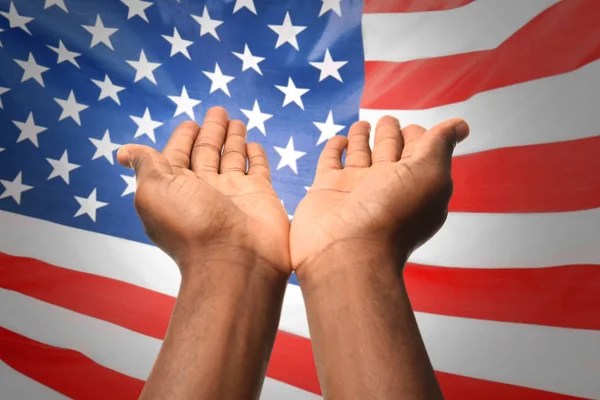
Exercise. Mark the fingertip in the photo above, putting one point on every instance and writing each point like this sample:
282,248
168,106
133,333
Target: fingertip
218,113
461,130
337,142
123,156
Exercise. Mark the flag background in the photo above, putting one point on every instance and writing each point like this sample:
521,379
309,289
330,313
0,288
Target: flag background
506,294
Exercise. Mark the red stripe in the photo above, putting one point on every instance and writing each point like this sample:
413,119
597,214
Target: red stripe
563,38
132,307
551,177
405,6
291,360
66,371
565,296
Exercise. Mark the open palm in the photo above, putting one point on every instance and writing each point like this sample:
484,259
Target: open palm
193,197
396,195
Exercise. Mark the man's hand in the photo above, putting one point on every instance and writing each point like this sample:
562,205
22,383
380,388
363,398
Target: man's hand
395,196
228,233
349,241
195,202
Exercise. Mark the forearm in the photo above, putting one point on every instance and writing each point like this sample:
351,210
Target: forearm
221,332
364,334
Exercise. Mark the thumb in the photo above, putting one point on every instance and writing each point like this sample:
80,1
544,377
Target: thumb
438,143
144,160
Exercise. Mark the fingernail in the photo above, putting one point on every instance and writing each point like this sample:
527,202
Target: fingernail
462,131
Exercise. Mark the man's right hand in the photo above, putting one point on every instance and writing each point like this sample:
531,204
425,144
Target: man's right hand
395,197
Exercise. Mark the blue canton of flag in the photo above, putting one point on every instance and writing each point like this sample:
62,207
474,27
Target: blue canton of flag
80,78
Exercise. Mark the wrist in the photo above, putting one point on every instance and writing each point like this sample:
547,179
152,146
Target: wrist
238,261
354,256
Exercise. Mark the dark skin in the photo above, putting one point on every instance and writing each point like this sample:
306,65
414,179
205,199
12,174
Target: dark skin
230,236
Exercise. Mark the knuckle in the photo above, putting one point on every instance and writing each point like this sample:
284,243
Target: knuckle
232,152
205,143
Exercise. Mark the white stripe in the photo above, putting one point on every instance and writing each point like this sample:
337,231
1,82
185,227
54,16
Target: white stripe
555,359
16,386
85,251
481,25
472,240
109,345
479,240
558,108
276,390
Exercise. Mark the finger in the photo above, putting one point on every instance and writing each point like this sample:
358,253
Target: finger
147,162
233,158
411,135
178,149
206,154
388,141
258,163
437,144
359,151
331,156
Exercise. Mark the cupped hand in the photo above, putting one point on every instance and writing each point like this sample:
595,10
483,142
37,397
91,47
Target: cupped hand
198,199
393,198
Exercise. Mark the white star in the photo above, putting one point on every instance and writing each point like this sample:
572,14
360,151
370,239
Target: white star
59,3
256,118
184,104
14,188
100,34
329,67
292,93
249,61
249,4
218,80
289,156
61,167
178,45
32,70
287,32
145,125
29,130
1,30
328,128
64,54
15,20
108,89
89,205
104,147
2,91
207,25
144,68
131,185
333,5
70,108
137,7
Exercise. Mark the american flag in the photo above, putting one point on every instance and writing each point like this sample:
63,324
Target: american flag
507,294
